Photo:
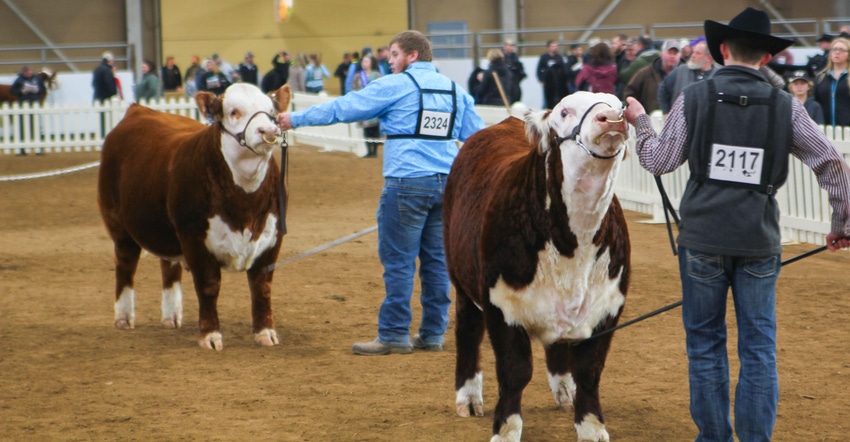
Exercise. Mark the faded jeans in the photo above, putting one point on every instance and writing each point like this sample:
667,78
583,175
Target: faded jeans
706,279
410,225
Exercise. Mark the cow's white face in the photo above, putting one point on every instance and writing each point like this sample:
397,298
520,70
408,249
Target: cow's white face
246,110
248,128
602,133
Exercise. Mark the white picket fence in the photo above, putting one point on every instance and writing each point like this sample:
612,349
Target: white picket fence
804,207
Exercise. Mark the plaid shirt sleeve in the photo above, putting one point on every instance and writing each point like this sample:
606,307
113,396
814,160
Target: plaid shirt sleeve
665,152
810,145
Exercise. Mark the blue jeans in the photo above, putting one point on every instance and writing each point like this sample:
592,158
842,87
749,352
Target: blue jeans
706,279
410,225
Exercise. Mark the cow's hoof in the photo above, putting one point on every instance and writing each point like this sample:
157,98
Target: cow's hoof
175,322
511,431
267,338
591,430
469,399
212,341
124,324
469,408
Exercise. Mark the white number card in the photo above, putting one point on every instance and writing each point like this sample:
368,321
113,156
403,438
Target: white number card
435,123
736,163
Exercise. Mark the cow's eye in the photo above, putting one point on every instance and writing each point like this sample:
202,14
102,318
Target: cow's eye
564,113
233,113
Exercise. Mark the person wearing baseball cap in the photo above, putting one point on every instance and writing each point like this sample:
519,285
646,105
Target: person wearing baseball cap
800,85
248,71
729,234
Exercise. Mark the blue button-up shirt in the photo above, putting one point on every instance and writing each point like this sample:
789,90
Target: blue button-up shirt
394,100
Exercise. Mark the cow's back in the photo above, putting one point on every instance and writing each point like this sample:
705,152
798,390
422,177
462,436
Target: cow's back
486,159
136,161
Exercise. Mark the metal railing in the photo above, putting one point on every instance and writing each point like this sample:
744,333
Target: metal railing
66,57
832,25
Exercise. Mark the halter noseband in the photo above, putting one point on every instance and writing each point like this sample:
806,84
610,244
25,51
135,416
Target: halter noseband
240,136
556,140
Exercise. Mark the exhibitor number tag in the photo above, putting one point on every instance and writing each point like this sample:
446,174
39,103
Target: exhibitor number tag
435,123
736,163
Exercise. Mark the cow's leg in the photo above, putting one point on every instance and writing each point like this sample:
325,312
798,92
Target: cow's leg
127,253
260,282
512,348
560,379
172,294
469,331
586,362
206,275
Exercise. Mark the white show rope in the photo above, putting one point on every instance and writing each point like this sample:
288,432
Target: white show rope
321,248
49,173
334,137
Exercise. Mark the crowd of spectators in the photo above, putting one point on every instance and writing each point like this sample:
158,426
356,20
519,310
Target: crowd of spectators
656,72
653,72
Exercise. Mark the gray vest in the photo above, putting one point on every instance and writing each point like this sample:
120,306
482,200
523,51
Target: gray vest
739,129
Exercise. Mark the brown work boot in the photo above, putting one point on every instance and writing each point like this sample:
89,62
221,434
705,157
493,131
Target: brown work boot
422,345
377,348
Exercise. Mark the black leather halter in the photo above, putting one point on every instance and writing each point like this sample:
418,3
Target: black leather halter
575,135
240,137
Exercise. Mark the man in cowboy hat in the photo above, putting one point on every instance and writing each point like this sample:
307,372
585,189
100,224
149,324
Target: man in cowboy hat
729,233
818,62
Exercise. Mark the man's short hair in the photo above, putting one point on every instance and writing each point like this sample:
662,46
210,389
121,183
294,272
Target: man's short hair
409,41
742,50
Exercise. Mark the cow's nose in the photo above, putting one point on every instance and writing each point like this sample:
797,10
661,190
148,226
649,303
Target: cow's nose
612,116
269,133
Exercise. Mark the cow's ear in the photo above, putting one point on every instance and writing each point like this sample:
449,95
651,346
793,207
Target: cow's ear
209,104
281,98
537,129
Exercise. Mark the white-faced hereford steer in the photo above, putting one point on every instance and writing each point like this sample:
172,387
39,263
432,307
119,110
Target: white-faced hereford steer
537,247
199,197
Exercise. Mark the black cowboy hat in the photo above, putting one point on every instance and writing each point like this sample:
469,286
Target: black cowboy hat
751,25
825,37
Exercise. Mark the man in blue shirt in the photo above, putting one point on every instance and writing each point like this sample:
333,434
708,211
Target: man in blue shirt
422,112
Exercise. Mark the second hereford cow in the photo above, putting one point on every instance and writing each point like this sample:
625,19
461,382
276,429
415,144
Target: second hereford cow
537,248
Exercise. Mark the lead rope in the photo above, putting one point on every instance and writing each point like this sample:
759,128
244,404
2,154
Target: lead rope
282,197
669,210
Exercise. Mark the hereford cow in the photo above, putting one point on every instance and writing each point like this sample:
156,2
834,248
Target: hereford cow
196,196
50,83
537,247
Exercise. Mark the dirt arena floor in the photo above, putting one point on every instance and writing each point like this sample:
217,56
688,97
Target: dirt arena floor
67,374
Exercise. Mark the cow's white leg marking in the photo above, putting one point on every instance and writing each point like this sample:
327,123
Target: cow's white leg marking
172,306
511,431
563,388
212,341
125,310
267,337
591,430
470,394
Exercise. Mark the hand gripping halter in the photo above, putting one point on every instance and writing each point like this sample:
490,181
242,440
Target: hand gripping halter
240,137
576,134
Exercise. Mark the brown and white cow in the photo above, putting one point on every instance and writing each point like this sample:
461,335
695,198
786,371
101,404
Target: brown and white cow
198,197
537,247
